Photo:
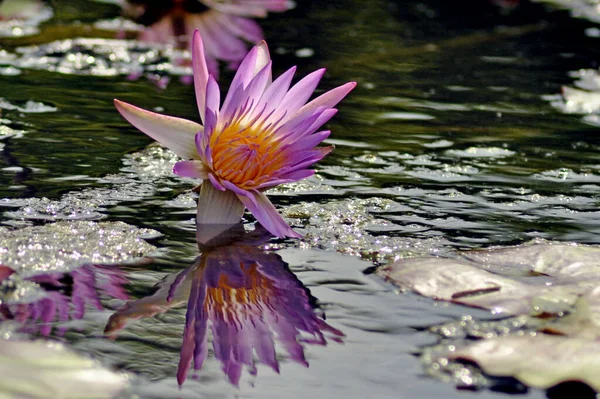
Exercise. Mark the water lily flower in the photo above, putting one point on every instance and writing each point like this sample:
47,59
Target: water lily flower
264,134
246,297
249,8
226,25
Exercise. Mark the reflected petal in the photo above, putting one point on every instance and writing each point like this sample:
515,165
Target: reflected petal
248,299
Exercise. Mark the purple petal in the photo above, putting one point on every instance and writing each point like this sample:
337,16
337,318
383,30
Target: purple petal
306,143
321,120
254,62
232,187
266,214
244,74
232,103
215,182
213,96
300,92
287,178
287,333
254,8
245,28
262,57
174,133
200,71
201,318
274,94
193,169
177,283
219,43
298,175
262,339
210,123
48,311
189,332
306,158
297,127
328,99
202,145
257,87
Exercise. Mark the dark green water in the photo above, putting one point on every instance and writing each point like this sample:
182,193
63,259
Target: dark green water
446,143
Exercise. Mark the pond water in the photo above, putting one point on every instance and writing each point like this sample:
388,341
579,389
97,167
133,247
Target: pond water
448,142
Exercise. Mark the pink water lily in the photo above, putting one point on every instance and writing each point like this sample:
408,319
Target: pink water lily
227,27
252,8
264,134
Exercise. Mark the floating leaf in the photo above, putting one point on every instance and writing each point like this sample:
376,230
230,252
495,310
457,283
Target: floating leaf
539,278
540,361
42,369
583,321
536,279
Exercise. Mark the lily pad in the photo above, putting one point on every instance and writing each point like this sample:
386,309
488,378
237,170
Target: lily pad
540,361
557,281
43,369
541,278
583,321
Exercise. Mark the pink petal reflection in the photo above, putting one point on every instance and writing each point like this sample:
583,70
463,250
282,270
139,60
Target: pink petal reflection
246,297
63,297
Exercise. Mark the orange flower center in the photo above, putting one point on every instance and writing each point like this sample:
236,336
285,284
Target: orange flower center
234,302
245,155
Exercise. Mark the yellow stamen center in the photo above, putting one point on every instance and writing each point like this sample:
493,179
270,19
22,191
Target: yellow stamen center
245,155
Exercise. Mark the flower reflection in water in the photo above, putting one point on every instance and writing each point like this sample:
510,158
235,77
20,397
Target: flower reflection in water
249,299
226,26
57,297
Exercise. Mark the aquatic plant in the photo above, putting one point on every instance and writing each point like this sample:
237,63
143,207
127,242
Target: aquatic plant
263,135
226,26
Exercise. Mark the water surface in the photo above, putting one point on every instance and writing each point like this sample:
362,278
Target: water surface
447,143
